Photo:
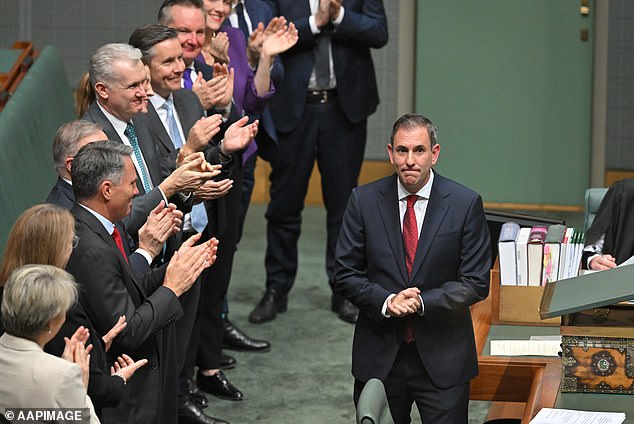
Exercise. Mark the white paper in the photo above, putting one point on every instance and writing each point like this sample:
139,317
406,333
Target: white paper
525,347
629,261
569,416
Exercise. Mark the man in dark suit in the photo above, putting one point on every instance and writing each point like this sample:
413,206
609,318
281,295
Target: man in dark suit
117,76
70,137
320,112
213,91
104,183
177,121
414,254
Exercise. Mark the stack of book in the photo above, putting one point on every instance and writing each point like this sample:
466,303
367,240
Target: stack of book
534,256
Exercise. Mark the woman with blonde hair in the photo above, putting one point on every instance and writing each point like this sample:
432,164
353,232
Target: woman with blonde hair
45,234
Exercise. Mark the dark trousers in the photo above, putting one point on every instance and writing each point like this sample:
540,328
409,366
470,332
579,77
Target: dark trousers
215,279
408,383
323,133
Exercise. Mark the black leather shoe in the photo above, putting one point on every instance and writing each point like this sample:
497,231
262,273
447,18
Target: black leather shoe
268,307
190,413
236,339
219,386
195,394
227,362
344,308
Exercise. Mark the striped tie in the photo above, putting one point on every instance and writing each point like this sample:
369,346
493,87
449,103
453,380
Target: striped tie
134,142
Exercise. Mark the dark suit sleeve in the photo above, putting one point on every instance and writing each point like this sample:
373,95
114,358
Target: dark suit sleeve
366,26
472,284
351,277
103,389
108,298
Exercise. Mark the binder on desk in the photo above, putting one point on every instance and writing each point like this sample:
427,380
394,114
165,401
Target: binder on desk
587,292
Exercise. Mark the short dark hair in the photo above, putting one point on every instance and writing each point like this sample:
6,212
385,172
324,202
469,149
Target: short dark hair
165,14
96,163
415,120
146,37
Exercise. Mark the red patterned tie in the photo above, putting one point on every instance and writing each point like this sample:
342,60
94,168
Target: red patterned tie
410,241
117,239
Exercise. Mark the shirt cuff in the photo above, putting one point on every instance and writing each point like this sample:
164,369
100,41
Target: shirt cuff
590,260
340,17
422,306
384,310
146,255
313,25
163,195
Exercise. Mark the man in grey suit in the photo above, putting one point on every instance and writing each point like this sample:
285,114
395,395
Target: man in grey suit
117,76
414,254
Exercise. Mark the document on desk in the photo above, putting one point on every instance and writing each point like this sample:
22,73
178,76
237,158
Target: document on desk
569,416
525,347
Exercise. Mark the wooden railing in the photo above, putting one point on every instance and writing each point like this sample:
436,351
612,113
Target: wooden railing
10,79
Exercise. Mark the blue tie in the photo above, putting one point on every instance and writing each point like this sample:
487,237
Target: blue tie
187,79
242,23
198,214
175,134
134,142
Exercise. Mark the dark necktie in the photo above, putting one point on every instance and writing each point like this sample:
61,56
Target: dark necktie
322,58
117,239
187,79
410,241
242,23
130,132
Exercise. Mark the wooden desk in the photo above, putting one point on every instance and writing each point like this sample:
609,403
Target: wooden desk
518,386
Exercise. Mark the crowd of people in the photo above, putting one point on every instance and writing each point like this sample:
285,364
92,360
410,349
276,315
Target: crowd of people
115,289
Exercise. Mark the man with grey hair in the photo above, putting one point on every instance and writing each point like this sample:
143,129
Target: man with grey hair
70,137
118,77
104,183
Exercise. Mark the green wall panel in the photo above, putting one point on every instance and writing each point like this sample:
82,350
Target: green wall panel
508,84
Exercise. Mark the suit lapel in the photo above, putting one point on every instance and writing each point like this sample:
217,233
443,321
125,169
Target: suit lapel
436,211
135,290
186,117
95,115
388,209
157,128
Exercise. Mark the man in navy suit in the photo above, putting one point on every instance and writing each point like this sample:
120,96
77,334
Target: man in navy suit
320,112
70,137
414,254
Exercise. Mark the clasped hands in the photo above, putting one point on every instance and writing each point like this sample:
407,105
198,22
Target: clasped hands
328,11
602,262
406,302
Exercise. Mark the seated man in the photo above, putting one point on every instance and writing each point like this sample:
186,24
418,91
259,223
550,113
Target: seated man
610,238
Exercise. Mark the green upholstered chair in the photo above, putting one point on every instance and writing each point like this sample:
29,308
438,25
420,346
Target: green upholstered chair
372,407
594,196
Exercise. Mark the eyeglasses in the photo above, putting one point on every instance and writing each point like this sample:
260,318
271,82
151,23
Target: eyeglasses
75,241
